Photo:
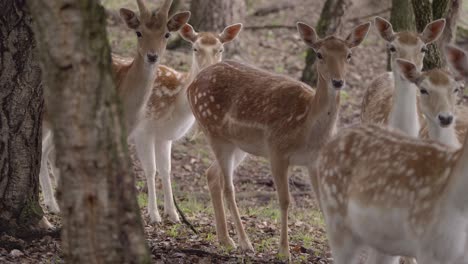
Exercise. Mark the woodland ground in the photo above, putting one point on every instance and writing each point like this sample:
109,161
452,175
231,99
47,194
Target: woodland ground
277,50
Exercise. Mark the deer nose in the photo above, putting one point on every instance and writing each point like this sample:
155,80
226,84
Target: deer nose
338,84
152,58
445,120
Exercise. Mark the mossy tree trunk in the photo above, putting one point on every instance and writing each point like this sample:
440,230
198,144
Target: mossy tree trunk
329,23
21,103
425,12
402,19
100,215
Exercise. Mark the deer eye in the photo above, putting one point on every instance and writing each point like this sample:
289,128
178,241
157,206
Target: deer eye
456,90
167,35
424,50
221,50
138,33
348,57
195,49
319,56
424,91
392,49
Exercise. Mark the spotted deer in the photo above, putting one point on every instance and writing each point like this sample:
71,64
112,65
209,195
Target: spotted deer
391,99
384,190
134,77
242,109
438,95
168,116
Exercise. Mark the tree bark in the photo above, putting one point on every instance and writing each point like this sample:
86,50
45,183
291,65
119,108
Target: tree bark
215,15
402,19
423,16
100,216
21,103
450,10
330,22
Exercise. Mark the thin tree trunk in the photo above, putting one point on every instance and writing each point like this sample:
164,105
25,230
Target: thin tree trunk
329,23
101,220
21,103
423,16
450,10
215,15
402,19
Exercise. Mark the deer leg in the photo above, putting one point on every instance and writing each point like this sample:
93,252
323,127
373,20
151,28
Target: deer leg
279,170
44,177
163,164
228,157
215,186
376,257
144,143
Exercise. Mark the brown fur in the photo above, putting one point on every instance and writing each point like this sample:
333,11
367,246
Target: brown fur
409,38
208,38
167,87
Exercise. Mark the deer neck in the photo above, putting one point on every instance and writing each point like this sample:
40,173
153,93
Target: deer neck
404,113
136,89
191,75
324,110
447,136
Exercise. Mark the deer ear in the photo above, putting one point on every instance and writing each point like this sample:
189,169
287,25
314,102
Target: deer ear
433,31
130,18
358,34
409,70
177,21
188,33
458,60
384,28
230,33
309,35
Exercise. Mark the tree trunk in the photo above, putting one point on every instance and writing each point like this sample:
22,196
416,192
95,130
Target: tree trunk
402,19
215,15
330,22
450,10
21,104
100,216
423,16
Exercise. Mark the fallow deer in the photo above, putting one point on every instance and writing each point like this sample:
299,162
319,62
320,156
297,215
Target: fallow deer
438,95
398,196
134,77
242,109
168,115
390,99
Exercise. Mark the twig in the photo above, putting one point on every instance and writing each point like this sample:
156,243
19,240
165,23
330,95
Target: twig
184,219
269,27
263,11
372,14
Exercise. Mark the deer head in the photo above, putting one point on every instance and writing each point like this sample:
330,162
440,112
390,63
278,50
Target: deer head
208,47
409,45
152,28
333,54
438,88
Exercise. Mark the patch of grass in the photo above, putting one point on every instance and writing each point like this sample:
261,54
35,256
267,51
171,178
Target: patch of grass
174,231
279,69
344,95
270,212
265,245
193,205
211,238
142,199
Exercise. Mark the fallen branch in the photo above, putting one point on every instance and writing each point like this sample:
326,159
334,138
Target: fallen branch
372,14
182,215
263,11
270,27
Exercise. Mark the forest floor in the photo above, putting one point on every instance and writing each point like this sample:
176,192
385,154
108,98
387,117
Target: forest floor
277,50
